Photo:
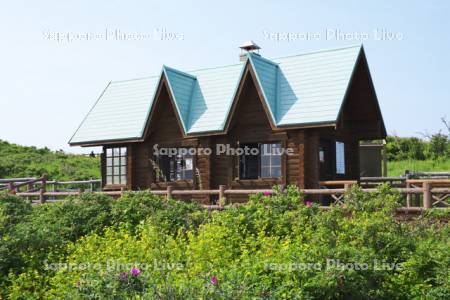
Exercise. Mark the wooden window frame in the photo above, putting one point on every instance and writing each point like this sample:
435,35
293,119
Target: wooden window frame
177,181
336,159
281,178
113,185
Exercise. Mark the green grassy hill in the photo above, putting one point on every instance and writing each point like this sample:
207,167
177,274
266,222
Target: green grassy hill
20,161
397,168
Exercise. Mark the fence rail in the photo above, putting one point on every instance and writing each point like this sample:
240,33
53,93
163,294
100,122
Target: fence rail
419,194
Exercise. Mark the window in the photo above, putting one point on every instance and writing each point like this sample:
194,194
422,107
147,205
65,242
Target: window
340,158
175,167
260,161
116,165
270,160
248,164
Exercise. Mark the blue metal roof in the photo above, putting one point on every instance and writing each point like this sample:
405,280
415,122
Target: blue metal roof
300,89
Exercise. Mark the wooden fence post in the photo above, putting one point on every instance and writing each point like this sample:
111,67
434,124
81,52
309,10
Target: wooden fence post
92,184
169,192
347,187
12,189
222,198
427,198
408,195
43,189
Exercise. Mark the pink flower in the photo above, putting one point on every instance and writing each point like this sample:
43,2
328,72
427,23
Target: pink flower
135,272
214,280
266,194
309,203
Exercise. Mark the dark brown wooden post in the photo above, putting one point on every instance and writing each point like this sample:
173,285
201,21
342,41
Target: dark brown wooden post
427,198
347,187
169,192
29,189
408,195
43,189
222,198
12,189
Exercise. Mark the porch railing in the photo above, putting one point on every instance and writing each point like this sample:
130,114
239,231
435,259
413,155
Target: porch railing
432,193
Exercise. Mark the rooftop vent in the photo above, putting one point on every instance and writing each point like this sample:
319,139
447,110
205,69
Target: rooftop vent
247,47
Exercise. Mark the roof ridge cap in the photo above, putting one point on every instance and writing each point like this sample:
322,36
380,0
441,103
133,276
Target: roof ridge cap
264,59
320,51
179,72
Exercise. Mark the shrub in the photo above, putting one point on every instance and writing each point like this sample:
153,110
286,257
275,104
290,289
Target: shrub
411,148
439,146
12,211
275,247
170,215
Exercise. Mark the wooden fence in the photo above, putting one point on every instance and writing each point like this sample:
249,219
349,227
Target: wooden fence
431,193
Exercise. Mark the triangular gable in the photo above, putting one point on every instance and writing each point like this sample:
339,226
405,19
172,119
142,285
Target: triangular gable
249,72
181,85
163,91
266,73
360,110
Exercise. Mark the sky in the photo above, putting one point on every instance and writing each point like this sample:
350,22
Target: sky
56,57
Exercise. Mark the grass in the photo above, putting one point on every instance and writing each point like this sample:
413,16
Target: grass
397,168
21,161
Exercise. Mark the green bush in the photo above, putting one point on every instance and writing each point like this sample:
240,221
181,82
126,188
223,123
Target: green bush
439,146
411,148
12,211
171,215
275,247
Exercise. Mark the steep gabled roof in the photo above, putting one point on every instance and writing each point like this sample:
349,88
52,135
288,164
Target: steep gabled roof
119,113
298,90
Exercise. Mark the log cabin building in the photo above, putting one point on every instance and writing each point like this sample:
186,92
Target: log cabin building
318,105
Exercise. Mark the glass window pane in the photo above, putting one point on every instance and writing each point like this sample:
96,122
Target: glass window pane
276,160
116,152
265,172
340,158
108,179
123,151
123,170
188,175
265,161
188,164
109,152
116,161
265,149
270,163
116,170
109,162
276,172
123,179
109,171
123,161
116,180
